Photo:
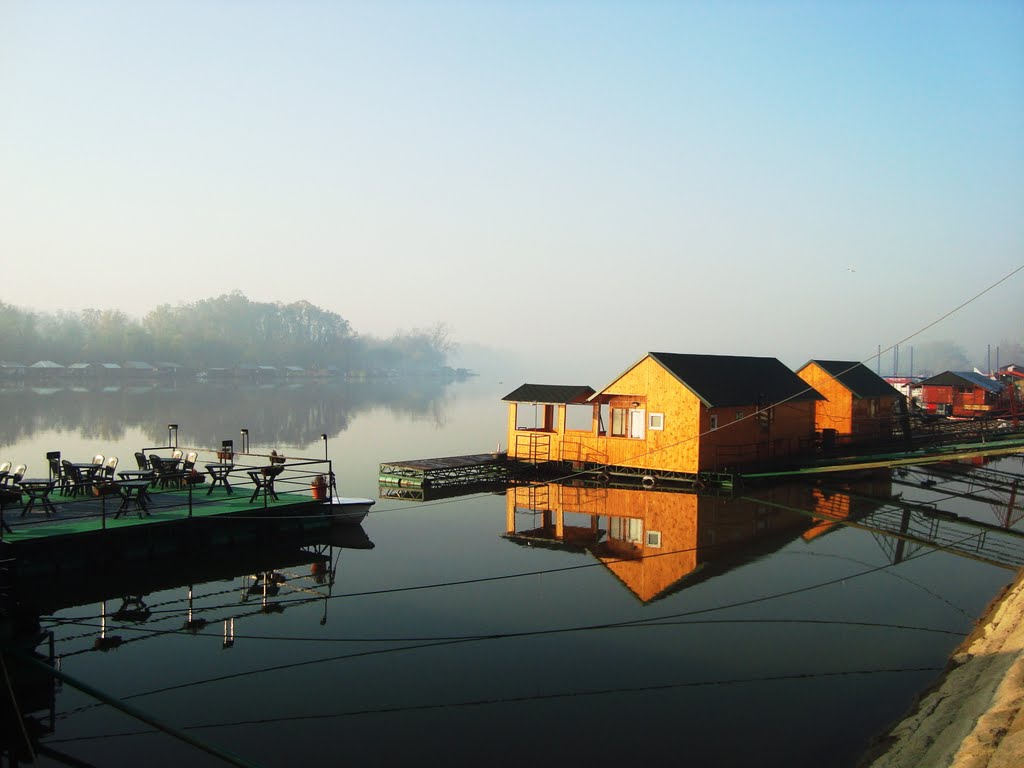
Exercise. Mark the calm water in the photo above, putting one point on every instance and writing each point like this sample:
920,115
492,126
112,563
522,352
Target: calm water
747,634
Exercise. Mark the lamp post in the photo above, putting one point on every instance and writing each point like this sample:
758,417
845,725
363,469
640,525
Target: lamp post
172,428
324,438
245,440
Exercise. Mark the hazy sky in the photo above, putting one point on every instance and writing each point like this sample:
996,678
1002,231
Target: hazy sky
587,179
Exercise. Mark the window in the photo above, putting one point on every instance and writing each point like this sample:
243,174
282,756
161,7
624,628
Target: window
714,421
538,416
579,417
618,422
636,424
654,539
625,529
656,421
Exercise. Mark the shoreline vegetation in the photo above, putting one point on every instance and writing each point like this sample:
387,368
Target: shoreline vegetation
228,332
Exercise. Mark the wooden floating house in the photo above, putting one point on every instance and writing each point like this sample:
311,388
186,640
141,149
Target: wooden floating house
664,417
963,394
857,401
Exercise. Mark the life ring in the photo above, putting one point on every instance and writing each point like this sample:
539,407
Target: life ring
604,478
648,481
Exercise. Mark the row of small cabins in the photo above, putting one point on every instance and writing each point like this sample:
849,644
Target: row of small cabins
687,415
140,369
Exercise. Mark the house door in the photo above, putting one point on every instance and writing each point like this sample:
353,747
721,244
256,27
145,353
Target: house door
636,423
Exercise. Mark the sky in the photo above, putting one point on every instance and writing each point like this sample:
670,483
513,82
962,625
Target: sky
575,183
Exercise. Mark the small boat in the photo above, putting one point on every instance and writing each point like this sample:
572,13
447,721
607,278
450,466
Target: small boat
349,511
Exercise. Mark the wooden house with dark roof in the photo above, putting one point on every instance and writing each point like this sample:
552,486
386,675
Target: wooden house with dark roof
964,394
676,415
857,400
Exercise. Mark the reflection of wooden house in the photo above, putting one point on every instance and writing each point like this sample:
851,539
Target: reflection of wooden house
654,542
858,401
960,393
672,413
11,369
832,506
138,369
82,370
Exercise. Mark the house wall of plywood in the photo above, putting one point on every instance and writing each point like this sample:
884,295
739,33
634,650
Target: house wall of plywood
836,412
673,448
745,436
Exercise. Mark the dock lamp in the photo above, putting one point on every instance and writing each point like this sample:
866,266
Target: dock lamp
324,438
245,440
172,428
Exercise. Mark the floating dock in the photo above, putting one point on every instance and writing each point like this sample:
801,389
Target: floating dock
84,530
417,478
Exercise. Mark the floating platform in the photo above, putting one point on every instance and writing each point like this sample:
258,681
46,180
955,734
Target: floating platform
101,527
451,475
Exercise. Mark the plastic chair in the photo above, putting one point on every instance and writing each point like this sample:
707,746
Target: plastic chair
177,453
98,459
57,474
15,477
142,461
164,473
108,468
5,470
73,476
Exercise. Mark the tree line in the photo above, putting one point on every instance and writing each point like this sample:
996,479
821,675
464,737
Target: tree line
218,332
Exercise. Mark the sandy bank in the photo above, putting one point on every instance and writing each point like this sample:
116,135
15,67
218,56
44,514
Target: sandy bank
970,720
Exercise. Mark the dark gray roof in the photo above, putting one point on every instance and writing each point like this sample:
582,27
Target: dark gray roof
723,380
856,377
960,378
549,393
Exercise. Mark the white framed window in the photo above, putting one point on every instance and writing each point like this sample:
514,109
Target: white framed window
656,421
654,539
714,421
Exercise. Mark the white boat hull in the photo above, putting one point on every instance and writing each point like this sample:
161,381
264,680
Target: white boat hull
349,511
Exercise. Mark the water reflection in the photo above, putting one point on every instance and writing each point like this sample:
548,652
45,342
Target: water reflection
130,603
656,542
280,413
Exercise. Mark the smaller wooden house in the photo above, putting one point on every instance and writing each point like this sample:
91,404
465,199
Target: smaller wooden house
671,414
857,400
964,394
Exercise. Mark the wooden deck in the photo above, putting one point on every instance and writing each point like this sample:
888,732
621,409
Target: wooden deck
85,536
76,516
